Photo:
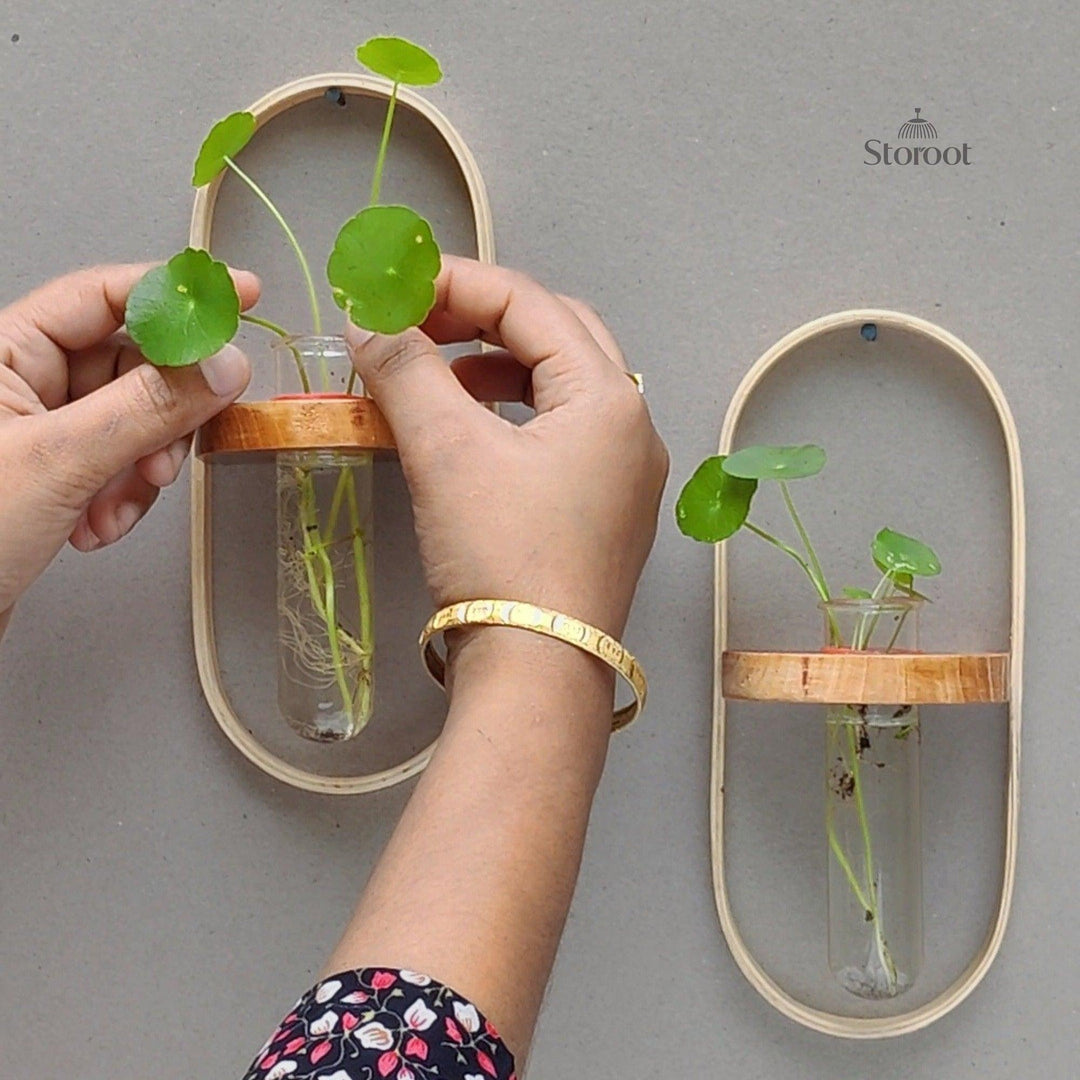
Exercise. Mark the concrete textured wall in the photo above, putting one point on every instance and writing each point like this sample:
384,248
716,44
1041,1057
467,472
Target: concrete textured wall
696,171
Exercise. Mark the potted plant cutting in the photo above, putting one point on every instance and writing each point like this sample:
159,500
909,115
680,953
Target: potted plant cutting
872,763
381,272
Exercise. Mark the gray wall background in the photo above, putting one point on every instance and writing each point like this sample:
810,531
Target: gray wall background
696,172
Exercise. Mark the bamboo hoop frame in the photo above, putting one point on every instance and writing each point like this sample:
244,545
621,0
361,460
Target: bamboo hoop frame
202,570
851,1027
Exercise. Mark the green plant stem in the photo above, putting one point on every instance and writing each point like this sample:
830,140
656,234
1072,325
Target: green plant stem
863,635
380,161
313,298
322,586
845,863
285,336
868,899
787,550
815,563
819,585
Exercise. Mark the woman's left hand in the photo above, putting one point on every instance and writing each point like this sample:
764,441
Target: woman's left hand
89,432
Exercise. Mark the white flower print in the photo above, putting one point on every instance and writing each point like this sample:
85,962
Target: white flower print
415,978
327,991
341,1074
467,1017
281,1069
419,1017
357,997
325,1024
375,1036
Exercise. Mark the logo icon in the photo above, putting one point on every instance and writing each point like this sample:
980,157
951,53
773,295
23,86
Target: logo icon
917,128
924,134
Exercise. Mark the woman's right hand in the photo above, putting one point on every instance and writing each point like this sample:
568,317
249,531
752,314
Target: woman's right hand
560,511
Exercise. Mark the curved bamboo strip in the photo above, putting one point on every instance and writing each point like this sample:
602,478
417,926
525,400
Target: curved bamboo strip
915,1019
202,580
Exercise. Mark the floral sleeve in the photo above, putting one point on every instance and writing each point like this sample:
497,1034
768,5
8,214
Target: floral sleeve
375,1023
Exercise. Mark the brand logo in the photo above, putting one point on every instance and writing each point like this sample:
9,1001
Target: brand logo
921,131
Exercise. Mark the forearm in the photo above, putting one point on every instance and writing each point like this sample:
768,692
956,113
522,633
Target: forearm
476,881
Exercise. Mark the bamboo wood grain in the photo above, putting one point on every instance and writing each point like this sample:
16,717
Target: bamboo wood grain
865,678
920,1017
257,427
202,568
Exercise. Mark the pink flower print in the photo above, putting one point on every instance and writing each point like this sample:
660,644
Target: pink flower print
349,1021
320,1051
382,980
294,1045
485,1063
387,1063
453,1031
405,1073
417,1048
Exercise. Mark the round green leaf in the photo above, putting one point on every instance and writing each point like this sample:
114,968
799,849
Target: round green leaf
776,462
184,311
383,268
400,61
713,505
903,557
226,139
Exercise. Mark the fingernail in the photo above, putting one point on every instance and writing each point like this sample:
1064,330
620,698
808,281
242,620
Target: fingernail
85,539
226,372
126,516
177,453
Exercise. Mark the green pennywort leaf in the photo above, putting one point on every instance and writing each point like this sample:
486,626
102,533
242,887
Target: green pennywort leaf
857,594
776,462
226,139
184,311
713,505
904,558
383,268
400,61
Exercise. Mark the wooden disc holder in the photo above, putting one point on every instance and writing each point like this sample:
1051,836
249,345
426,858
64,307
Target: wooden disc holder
863,678
258,428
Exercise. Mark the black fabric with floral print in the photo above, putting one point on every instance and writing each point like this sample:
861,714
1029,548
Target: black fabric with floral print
381,1023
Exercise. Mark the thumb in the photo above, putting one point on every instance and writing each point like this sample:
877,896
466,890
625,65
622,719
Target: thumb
410,382
98,435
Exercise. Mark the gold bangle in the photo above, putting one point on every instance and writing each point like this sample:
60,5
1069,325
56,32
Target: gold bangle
539,620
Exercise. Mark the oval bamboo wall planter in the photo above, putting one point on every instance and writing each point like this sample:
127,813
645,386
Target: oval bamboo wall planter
831,677
288,423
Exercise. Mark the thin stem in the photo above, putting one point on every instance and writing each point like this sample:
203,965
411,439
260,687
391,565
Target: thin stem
815,563
787,550
380,161
266,324
284,334
842,859
309,280
819,586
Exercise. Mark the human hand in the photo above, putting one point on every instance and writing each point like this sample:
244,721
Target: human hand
89,432
560,511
